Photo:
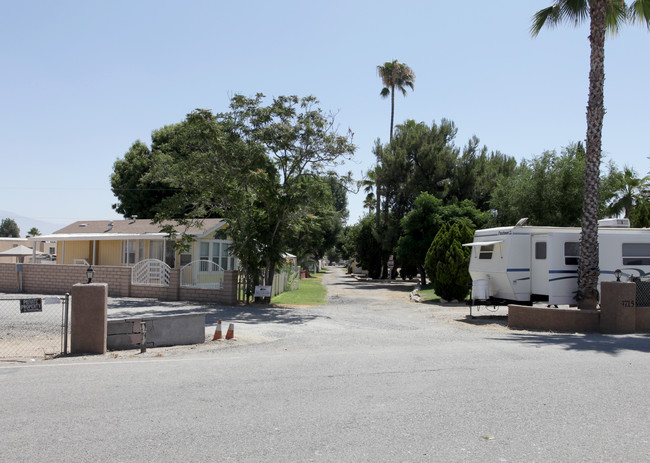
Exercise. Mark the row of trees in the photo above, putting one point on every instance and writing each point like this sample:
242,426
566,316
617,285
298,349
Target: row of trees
426,181
267,169
580,168
257,165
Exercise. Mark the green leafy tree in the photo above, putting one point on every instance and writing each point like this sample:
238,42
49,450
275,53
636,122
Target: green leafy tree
547,189
477,172
447,261
366,251
424,158
603,15
257,166
640,215
323,234
131,182
9,229
422,224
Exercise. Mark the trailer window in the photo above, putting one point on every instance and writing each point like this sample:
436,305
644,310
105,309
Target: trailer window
486,252
571,253
540,250
636,253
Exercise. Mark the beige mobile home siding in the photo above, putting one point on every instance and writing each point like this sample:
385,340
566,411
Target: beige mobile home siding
73,250
108,252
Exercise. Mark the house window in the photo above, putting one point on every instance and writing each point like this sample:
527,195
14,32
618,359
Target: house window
128,252
217,251
636,253
571,253
486,252
540,250
204,256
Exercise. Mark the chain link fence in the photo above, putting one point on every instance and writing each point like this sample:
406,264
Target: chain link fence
642,291
32,327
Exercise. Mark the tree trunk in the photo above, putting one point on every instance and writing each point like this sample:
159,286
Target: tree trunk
378,211
588,265
423,275
392,111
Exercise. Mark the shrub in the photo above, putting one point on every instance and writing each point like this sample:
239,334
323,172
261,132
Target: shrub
447,262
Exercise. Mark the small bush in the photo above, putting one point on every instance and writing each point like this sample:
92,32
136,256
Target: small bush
447,262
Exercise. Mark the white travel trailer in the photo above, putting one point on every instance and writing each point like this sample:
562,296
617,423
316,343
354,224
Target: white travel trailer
527,264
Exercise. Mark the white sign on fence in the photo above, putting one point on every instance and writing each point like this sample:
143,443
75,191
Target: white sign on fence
31,305
262,291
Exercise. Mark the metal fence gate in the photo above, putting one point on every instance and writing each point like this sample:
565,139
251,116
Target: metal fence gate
33,327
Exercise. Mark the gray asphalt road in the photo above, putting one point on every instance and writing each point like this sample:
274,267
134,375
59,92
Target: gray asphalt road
368,377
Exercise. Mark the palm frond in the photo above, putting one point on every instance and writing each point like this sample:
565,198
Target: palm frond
617,14
549,17
639,12
574,10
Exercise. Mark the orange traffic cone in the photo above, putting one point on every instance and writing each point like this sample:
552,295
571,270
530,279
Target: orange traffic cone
217,332
231,332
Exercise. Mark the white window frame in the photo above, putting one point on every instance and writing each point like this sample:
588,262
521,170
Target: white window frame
215,254
636,253
128,250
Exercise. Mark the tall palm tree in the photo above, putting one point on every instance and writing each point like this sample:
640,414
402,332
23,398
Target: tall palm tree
603,15
395,76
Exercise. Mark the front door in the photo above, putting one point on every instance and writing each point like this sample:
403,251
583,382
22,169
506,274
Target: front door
539,265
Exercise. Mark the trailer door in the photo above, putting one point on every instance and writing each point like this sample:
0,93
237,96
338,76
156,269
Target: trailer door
539,265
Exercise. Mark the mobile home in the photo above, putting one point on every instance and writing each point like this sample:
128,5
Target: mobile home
529,263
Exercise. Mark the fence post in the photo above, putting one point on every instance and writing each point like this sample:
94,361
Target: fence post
89,318
66,320
143,337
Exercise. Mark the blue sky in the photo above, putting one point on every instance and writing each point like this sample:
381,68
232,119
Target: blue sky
82,80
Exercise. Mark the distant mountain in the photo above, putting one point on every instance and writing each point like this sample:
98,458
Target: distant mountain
25,223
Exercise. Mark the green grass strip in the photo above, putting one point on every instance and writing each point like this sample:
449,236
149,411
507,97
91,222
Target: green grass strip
311,292
427,293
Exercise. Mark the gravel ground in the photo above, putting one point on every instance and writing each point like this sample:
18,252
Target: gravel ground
352,303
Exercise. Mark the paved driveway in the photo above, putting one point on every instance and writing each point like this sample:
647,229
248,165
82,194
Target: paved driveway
367,377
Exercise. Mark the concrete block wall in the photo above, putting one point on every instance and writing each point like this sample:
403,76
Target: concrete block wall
551,319
642,319
170,330
8,279
118,279
59,279
52,280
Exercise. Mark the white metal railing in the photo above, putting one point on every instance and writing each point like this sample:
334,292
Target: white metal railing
202,274
152,272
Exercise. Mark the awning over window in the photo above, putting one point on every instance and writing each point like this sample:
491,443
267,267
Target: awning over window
482,243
